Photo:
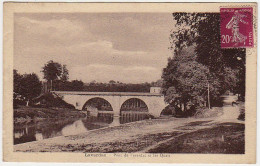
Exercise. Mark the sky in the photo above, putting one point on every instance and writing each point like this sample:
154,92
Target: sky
125,47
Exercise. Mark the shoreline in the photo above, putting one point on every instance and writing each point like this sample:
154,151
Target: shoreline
140,136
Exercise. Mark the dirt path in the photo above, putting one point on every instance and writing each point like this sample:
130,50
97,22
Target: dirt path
132,137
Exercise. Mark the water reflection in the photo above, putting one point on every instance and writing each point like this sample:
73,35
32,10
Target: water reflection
116,121
75,128
35,131
26,134
38,136
132,116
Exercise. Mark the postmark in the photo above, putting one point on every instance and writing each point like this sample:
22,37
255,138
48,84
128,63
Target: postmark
236,27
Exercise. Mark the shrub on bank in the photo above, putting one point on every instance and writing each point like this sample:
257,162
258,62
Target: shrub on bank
49,100
169,110
199,112
43,107
177,112
29,113
242,114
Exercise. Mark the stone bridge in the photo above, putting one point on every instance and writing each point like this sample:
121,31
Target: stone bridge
154,101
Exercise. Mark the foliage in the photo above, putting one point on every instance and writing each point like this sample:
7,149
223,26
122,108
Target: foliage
157,83
26,87
199,62
74,85
116,87
111,86
52,71
112,82
202,29
32,113
77,85
186,82
30,86
241,106
64,74
169,110
50,100
17,81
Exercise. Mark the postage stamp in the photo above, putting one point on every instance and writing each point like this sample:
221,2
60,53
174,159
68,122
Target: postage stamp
236,27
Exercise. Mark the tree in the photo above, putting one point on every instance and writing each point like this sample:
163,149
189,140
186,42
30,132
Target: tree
30,86
196,45
112,82
52,71
77,85
17,81
157,83
185,81
202,30
65,73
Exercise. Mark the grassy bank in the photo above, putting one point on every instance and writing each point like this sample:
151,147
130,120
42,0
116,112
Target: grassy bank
129,145
207,113
224,138
23,113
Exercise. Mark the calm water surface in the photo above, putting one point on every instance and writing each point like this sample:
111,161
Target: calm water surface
35,131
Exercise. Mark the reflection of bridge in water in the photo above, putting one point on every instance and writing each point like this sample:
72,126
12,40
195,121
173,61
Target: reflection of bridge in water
116,103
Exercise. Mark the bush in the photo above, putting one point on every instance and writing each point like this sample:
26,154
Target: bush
190,112
17,102
48,100
169,110
177,112
241,115
23,113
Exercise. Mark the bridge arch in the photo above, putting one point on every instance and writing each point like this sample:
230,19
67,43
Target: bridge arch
134,104
133,109
98,104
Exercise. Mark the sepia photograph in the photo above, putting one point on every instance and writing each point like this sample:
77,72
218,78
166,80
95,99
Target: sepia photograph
138,84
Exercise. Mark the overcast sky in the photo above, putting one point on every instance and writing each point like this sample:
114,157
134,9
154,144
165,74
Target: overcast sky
125,47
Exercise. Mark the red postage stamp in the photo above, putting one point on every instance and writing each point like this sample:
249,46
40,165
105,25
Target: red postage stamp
236,27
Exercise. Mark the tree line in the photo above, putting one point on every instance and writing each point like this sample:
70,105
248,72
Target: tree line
200,71
93,86
28,86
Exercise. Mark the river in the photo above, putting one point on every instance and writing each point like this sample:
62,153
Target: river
35,131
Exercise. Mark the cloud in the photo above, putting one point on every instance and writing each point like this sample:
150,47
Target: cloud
94,46
30,32
134,31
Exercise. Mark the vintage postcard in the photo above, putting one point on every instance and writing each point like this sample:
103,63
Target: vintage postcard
130,82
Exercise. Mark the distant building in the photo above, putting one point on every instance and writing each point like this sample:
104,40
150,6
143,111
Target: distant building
155,90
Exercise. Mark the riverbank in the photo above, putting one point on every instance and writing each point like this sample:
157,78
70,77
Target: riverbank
223,138
149,136
24,114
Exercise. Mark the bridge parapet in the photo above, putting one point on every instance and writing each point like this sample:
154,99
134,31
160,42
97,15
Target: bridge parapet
107,93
